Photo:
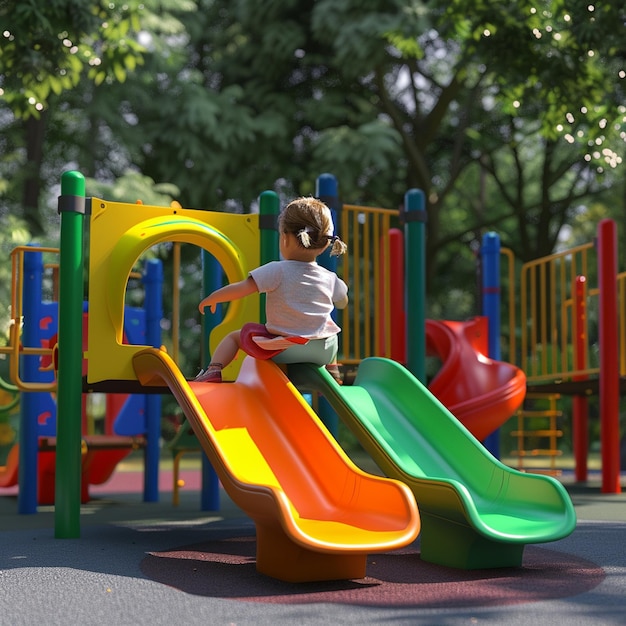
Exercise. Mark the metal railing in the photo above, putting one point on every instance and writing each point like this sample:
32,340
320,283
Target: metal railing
541,313
15,349
367,269
553,340
546,306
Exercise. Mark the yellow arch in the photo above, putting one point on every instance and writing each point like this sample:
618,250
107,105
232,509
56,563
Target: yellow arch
119,234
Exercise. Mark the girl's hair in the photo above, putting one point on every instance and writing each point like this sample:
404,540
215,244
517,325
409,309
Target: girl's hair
309,219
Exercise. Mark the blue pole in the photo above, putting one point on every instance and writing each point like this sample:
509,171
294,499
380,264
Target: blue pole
213,278
327,190
29,444
415,253
490,261
153,305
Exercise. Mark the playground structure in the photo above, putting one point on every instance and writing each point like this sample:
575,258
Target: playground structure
554,347
120,233
255,461
571,339
125,416
385,319
551,312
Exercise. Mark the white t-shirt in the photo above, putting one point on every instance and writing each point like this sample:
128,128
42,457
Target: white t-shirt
300,298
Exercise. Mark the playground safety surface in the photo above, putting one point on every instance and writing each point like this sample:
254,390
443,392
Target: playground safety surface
153,563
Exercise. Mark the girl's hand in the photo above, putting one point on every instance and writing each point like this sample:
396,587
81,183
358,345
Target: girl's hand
210,302
228,293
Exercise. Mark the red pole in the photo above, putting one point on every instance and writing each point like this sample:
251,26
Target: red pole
580,404
609,357
397,316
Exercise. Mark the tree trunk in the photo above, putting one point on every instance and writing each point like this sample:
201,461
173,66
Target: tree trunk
35,130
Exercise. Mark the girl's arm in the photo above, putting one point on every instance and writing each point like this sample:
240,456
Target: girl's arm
342,304
234,291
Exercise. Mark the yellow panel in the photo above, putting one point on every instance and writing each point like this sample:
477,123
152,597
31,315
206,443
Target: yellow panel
120,233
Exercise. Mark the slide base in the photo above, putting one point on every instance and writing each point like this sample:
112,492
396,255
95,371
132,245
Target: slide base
297,564
445,542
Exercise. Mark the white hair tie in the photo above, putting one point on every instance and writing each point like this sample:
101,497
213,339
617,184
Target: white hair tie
304,235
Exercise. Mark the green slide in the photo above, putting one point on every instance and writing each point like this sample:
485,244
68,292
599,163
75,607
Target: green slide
476,512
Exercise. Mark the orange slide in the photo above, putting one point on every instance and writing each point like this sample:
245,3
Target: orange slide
317,515
480,392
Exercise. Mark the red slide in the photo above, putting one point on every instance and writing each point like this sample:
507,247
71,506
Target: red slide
9,471
480,392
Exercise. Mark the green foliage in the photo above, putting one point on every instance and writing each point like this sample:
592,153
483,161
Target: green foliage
133,186
372,148
48,47
508,115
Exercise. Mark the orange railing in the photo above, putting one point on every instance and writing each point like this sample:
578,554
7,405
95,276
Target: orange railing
15,349
509,291
546,304
366,269
541,311
544,345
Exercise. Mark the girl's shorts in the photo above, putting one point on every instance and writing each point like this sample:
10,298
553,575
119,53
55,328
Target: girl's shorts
317,351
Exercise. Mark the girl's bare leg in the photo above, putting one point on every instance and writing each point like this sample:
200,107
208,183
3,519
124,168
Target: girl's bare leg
224,354
227,349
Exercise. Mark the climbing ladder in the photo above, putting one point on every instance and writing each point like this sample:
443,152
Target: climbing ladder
537,433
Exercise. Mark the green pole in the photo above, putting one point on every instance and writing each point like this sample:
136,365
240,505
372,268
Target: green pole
415,254
269,208
70,357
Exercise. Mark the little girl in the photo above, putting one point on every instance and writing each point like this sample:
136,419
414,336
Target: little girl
301,294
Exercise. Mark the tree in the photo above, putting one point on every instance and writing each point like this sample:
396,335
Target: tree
47,49
488,106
